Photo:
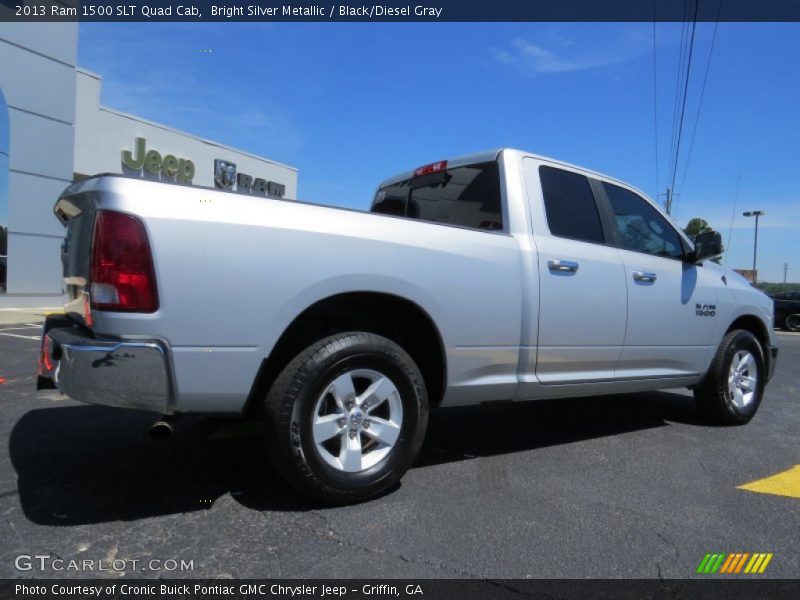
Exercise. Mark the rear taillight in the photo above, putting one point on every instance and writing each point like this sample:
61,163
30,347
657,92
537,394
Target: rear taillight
121,276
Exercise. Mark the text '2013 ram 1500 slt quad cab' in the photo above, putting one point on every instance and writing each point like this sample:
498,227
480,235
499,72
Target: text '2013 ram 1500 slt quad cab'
497,276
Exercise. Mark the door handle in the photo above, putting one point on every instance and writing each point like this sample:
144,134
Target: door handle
644,277
562,266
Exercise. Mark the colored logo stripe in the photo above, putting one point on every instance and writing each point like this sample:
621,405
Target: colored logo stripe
758,563
710,563
734,563
723,563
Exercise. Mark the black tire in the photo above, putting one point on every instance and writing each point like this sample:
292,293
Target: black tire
294,401
713,395
792,322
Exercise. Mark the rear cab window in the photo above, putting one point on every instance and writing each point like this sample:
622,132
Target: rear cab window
570,205
464,196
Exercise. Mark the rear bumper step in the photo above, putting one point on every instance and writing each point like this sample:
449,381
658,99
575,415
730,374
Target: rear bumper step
112,372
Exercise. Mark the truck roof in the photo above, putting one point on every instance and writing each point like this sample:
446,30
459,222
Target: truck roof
490,155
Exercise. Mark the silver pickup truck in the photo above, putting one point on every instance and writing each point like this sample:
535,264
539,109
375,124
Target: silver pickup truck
497,276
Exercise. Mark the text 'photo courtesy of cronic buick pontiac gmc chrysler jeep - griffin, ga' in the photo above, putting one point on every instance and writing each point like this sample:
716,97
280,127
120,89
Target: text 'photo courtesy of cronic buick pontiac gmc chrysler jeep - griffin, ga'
497,276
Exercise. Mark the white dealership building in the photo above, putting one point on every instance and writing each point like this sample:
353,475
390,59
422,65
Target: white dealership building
54,130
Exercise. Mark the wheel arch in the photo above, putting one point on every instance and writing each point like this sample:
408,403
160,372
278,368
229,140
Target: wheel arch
756,326
394,317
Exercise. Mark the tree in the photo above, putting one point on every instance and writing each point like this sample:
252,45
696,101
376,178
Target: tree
695,227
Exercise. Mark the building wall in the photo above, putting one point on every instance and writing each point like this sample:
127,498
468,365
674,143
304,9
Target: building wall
101,134
58,129
37,76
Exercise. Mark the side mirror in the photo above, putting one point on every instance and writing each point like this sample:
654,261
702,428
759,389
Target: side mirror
707,245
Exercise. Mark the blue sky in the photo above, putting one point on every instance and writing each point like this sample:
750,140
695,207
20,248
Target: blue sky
350,104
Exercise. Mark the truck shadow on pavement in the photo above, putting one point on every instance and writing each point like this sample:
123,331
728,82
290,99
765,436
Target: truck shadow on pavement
92,464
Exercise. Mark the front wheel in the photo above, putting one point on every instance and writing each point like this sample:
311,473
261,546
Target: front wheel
346,417
734,385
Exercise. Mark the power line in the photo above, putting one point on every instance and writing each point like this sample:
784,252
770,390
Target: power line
702,95
685,94
733,216
678,82
655,97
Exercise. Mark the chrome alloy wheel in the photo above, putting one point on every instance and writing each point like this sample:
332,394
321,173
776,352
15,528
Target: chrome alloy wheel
742,379
357,420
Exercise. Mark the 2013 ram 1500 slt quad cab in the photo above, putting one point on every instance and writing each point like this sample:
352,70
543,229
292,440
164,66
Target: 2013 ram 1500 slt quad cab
497,276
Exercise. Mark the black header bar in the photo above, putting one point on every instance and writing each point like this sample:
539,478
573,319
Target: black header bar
717,588
399,10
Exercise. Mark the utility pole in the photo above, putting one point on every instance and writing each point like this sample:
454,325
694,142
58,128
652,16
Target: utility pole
756,214
785,268
668,203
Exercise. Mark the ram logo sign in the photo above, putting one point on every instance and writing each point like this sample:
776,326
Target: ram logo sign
225,175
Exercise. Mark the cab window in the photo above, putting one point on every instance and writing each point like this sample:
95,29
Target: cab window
570,205
467,196
640,227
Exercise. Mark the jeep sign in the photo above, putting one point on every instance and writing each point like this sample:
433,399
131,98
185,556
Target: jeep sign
152,162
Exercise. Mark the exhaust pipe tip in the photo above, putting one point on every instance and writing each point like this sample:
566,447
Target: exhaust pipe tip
162,429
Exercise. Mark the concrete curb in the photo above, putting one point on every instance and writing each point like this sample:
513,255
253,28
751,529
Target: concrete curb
17,316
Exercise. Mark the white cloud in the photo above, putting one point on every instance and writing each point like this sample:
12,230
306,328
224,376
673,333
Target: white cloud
545,61
560,54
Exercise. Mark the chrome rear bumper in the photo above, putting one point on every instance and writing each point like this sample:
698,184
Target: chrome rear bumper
124,373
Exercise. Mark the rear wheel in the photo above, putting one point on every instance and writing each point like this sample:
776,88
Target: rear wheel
732,390
792,322
346,417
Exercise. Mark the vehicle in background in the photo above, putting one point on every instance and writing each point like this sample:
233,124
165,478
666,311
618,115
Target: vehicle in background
787,310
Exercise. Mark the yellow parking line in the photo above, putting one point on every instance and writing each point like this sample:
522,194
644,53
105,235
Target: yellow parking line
785,483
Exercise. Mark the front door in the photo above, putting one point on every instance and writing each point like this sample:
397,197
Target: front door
671,303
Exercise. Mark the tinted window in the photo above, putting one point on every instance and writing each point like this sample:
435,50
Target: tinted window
466,196
570,206
640,226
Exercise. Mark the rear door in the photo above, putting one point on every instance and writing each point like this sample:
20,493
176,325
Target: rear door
671,302
582,296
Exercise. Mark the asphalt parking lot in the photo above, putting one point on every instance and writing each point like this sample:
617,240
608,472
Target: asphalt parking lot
625,486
